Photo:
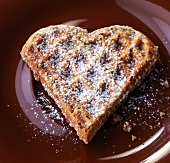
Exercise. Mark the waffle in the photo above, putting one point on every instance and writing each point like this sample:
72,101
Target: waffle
89,75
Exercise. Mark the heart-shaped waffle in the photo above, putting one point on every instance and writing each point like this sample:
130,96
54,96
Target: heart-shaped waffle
89,74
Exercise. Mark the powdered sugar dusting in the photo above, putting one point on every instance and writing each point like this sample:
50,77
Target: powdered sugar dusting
89,68
89,74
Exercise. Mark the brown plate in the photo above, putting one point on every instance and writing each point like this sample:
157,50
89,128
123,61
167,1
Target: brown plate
32,128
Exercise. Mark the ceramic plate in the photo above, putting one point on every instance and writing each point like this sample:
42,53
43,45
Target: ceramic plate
32,128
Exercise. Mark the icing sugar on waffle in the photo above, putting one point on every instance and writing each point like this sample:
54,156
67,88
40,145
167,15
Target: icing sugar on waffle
89,73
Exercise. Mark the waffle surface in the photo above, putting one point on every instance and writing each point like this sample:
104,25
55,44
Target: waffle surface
89,74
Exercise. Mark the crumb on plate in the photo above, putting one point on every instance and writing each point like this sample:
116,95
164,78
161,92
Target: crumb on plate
134,137
166,84
127,127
